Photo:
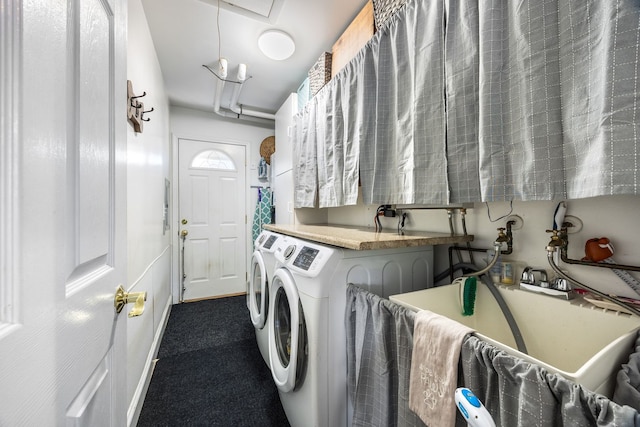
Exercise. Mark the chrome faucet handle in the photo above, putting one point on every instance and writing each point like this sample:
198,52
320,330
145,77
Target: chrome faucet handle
544,281
528,277
561,284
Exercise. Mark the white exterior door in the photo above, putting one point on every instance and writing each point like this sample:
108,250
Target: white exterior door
212,194
62,212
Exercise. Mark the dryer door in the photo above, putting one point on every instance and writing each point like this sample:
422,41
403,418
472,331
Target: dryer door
258,288
287,333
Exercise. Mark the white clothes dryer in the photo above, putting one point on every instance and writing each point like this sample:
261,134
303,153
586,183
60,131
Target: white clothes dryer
307,334
262,267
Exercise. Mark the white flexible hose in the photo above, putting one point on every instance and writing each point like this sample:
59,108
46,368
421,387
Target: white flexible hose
497,246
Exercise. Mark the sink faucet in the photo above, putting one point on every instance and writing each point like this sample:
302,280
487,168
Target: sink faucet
529,278
556,240
557,287
502,237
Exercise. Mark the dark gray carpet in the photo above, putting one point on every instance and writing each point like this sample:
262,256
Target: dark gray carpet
210,371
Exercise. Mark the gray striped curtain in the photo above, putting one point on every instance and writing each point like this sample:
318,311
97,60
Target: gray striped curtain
405,161
489,100
558,97
305,159
339,145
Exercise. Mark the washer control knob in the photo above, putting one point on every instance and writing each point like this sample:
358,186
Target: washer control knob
289,251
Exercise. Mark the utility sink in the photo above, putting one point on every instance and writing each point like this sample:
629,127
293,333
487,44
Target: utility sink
573,338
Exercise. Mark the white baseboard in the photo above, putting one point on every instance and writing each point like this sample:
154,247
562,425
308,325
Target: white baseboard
135,406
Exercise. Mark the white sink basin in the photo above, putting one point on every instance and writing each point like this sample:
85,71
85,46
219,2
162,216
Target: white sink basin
581,342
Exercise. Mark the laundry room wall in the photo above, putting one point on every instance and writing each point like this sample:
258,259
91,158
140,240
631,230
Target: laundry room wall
610,216
149,246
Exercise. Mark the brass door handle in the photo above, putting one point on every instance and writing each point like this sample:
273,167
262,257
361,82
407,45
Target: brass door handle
184,233
123,298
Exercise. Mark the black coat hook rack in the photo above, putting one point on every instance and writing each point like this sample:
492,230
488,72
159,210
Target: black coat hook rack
142,115
135,108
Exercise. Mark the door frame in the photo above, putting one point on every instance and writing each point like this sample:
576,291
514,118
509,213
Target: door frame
10,60
175,211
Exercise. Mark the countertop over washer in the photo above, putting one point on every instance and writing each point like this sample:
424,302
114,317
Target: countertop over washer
363,238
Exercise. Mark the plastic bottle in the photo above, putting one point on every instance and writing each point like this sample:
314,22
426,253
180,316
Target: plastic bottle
496,271
506,273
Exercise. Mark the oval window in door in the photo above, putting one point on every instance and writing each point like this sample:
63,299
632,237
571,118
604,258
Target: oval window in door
213,159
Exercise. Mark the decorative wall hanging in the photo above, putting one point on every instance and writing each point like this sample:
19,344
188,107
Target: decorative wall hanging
267,148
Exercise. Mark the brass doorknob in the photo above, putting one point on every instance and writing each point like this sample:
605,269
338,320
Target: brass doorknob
123,298
184,233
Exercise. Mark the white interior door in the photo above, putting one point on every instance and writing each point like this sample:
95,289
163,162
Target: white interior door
62,192
212,188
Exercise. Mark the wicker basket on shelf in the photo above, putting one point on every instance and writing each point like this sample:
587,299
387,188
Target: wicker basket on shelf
385,9
267,148
319,74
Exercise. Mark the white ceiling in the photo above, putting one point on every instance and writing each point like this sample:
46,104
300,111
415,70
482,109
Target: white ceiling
185,35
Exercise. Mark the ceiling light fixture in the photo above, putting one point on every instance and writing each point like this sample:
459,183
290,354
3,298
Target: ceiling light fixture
276,44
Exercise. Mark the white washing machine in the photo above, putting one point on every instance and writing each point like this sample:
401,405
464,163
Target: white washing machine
262,267
307,334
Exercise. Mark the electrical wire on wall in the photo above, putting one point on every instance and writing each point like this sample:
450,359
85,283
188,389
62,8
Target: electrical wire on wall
383,210
463,215
503,216
401,222
376,218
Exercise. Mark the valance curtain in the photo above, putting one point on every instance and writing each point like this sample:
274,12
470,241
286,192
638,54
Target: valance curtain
484,101
558,98
461,62
520,107
600,61
405,159
327,138
305,158
343,132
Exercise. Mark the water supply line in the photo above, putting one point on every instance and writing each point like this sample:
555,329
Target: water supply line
564,240
556,243
497,246
513,325
506,237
